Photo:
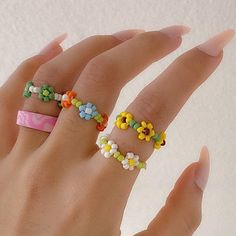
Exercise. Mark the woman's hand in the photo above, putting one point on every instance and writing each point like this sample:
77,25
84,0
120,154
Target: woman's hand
60,184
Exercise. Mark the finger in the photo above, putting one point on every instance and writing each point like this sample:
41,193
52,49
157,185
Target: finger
13,88
181,214
162,99
105,75
61,73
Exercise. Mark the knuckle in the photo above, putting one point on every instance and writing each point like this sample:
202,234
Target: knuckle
190,66
99,69
151,110
47,72
31,62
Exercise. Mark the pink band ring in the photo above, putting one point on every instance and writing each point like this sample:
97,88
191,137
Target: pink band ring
36,121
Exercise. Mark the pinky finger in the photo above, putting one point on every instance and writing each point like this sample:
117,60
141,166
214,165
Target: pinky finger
11,99
181,214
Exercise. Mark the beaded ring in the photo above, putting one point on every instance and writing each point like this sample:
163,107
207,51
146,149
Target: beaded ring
87,110
109,148
145,129
45,93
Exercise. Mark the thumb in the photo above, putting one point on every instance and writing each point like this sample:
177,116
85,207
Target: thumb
181,214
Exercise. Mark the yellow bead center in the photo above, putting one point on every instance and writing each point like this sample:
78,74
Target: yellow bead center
45,93
131,162
107,148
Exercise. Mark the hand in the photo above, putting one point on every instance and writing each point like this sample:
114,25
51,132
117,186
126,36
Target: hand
60,184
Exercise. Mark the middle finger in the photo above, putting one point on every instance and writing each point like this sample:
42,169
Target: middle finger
104,76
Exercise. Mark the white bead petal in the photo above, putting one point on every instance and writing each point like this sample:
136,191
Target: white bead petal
126,167
65,97
107,154
113,150
110,142
31,89
114,145
131,168
124,162
59,97
103,151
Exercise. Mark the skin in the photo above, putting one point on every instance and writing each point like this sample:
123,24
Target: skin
59,184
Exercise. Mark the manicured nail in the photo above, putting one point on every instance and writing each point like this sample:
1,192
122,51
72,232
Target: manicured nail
175,31
127,34
202,169
53,44
215,45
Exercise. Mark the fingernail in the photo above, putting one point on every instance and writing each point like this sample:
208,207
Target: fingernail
52,45
215,45
127,34
175,31
202,169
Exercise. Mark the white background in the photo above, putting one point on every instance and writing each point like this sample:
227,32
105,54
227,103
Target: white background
207,118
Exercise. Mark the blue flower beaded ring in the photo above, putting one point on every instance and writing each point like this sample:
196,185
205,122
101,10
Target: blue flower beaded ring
88,111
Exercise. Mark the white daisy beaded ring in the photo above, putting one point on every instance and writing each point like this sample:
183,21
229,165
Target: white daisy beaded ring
109,149
87,110
145,129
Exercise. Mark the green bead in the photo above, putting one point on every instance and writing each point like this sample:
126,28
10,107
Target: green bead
27,94
46,99
50,89
136,125
78,104
74,101
51,96
116,154
141,165
45,92
132,123
156,137
120,158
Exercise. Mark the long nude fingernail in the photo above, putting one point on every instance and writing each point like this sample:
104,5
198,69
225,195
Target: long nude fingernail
127,34
48,49
175,31
215,45
202,169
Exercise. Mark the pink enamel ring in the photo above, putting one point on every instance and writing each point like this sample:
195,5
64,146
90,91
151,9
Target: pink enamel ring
36,121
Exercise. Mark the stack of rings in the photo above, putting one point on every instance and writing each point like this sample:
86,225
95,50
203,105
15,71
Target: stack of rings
145,129
87,110
109,148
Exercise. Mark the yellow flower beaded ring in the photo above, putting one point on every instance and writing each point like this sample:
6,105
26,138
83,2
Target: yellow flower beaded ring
145,129
109,149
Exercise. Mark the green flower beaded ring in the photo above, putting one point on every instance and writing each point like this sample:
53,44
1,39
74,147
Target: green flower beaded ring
130,161
45,93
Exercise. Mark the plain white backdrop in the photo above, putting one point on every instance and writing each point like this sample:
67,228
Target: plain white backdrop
207,118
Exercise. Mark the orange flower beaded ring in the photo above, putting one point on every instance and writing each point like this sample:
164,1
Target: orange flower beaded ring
87,110
145,129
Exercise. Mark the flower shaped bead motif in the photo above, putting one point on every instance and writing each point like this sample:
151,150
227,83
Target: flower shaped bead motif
146,131
122,120
46,93
131,161
88,111
108,149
